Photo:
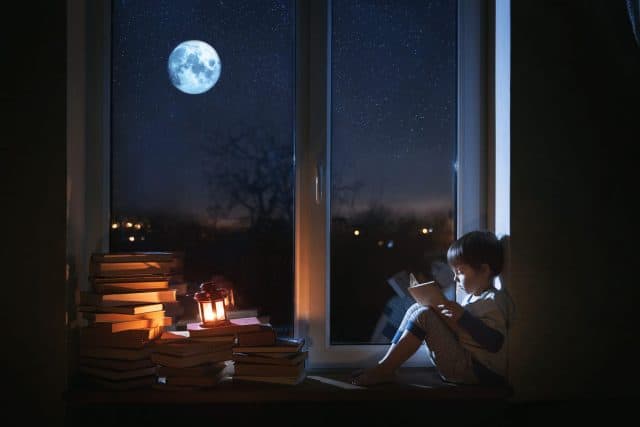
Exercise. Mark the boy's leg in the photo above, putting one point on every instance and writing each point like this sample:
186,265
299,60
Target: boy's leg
452,361
408,315
403,345
397,354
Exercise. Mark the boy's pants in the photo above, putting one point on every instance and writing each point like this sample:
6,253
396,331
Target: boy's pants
452,361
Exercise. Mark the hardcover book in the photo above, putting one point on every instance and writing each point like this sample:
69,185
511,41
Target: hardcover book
123,309
282,345
427,293
101,352
119,317
128,298
233,326
191,360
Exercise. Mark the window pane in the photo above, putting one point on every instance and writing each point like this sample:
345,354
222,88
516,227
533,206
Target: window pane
393,148
202,141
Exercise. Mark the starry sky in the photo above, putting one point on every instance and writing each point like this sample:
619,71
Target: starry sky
393,91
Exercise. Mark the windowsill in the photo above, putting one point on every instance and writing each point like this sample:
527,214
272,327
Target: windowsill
319,386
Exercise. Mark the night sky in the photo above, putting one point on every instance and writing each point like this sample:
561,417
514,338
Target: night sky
393,100
160,134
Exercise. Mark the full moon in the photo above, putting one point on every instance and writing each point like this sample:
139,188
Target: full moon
194,67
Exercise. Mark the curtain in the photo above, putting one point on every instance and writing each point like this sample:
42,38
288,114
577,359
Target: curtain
633,8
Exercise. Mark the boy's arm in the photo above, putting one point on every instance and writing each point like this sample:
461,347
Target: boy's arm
484,335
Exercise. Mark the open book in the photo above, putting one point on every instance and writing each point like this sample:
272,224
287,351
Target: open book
427,293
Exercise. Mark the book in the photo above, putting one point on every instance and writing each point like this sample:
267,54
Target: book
114,327
274,380
126,354
191,360
132,338
282,345
287,359
188,347
128,298
233,326
129,284
214,338
427,293
265,336
117,375
133,264
123,309
245,369
119,317
116,364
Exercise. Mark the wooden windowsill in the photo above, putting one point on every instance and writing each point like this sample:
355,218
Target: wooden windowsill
319,386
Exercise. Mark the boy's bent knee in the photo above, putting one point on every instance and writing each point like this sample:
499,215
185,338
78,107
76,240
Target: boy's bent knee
426,316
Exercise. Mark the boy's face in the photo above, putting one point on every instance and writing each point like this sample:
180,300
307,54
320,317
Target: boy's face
469,279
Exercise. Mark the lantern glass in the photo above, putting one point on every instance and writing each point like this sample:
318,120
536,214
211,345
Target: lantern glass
207,312
221,313
212,312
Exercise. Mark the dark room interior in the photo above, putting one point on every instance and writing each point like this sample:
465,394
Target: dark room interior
575,105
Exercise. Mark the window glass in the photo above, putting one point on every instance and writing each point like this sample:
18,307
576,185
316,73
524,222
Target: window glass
202,141
393,149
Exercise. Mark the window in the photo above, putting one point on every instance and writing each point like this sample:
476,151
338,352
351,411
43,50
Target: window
393,148
205,165
288,83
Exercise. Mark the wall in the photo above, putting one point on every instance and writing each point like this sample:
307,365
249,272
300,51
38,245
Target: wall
575,95
33,165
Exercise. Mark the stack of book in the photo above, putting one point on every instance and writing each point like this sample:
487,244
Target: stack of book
123,315
191,363
263,358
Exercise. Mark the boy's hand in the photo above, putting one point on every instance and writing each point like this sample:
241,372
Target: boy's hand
451,310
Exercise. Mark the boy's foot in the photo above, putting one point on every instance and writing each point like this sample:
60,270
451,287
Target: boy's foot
371,376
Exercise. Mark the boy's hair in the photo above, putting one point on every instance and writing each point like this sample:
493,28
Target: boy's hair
476,248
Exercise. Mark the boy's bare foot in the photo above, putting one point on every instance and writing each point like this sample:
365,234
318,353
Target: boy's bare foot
371,376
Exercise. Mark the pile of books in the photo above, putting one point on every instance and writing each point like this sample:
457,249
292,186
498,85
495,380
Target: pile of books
263,357
123,315
199,357
191,363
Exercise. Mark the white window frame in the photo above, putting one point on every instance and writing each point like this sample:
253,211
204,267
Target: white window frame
88,153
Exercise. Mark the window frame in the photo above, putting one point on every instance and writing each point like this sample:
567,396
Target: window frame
477,177
312,278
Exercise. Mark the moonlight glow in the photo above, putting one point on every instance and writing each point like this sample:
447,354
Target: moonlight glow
194,67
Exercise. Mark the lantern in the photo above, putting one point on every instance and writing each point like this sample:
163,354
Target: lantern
211,305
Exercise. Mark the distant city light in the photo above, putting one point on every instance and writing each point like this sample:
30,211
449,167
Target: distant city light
131,238
356,232
114,225
425,230
430,230
138,226
380,243
128,225
390,244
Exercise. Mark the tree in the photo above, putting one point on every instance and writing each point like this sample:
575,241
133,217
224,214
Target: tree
249,177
